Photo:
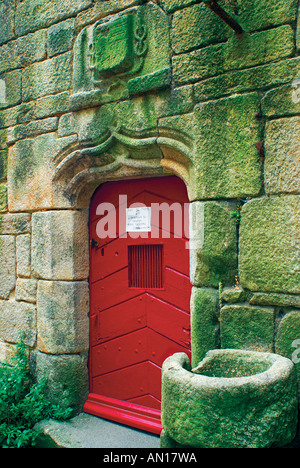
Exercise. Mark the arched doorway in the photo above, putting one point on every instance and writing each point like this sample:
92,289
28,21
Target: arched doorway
139,295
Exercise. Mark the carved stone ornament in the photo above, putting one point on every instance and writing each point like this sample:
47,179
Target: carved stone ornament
118,47
121,55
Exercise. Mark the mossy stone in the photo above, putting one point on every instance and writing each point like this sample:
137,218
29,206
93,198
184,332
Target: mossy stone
269,244
227,133
196,27
213,238
67,377
242,51
287,340
247,327
260,77
204,322
282,156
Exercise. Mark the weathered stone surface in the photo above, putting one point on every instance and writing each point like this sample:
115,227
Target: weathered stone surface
51,76
198,65
52,105
36,127
197,26
287,340
239,52
233,399
204,322
60,245
282,156
17,223
7,266
3,165
282,101
298,33
225,162
62,317
7,352
31,166
276,73
3,139
33,14
259,48
269,245
20,114
247,327
151,81
213,244
67,125
172,5
3,198
6,20
26,290
16,318
140,112
23,51
23,245
101,10
251,14
60,37
233,295
67,376
261,14
226,135
275,299
2,92
175,101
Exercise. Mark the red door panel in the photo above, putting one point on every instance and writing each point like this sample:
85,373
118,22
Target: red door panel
113,322
139,298
139,378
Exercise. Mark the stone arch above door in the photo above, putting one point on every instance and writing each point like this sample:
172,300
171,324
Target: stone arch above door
121,154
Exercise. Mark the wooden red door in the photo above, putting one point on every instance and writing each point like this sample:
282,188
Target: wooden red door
139,295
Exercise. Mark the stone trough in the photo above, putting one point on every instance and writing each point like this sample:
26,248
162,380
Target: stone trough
232,399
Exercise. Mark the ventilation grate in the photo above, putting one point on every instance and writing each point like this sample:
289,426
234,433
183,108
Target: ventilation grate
145,266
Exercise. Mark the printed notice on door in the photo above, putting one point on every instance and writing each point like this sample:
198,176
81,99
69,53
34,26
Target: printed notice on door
138,219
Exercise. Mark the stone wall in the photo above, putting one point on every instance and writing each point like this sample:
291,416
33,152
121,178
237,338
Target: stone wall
191,98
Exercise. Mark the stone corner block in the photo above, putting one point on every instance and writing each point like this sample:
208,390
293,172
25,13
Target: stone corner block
16,318
204,321
227,132
62,317
67,377
247,327
60,245
213,244
269,245
7,266
26,290
282,159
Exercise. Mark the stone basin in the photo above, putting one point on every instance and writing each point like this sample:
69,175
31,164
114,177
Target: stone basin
232,399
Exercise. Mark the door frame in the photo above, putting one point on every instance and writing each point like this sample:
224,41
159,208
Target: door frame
134,415
82,167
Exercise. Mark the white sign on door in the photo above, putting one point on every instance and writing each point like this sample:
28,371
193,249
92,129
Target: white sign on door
138,219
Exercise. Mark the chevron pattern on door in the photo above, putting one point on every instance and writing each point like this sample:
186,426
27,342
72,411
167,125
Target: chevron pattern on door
139,300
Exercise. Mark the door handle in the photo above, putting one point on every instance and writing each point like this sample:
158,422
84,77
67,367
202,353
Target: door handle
93,243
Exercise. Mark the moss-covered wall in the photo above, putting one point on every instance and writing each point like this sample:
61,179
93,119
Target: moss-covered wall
180,93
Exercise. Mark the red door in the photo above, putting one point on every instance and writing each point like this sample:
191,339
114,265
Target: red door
139,295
